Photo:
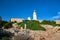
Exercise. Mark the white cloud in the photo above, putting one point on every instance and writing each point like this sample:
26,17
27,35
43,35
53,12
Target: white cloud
56,17
58,13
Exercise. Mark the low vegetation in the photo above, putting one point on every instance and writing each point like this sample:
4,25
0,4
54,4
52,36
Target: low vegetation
5,38
32,24
53,23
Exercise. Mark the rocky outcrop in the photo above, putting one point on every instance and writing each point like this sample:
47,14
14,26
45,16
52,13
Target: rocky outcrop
51,33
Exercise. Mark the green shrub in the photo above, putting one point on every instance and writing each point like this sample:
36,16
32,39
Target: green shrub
5,38
8,25
21,24
53,23
32,24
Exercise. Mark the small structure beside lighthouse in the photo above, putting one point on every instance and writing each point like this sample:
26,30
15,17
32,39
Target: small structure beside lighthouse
29,18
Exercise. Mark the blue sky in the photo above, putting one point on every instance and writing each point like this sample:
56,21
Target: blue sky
46,9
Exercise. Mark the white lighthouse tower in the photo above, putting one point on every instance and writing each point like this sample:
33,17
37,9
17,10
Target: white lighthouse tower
34,15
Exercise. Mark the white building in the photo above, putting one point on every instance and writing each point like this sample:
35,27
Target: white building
29,18
34,15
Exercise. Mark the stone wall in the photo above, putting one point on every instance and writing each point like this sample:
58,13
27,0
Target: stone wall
16,19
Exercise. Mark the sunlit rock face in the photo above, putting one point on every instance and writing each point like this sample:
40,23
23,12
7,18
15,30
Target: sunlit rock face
51,33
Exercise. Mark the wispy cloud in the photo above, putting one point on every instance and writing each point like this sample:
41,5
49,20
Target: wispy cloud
58,13
56,17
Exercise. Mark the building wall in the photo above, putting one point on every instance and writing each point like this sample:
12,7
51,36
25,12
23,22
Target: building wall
40,21
57,21
20,20
16,19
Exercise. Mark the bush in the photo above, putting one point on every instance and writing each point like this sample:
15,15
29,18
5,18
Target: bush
5,38
58,24
32,24
4,22
35,25
8,25
21,24
53,23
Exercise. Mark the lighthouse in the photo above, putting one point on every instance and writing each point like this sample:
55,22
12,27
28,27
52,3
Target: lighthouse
34,15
